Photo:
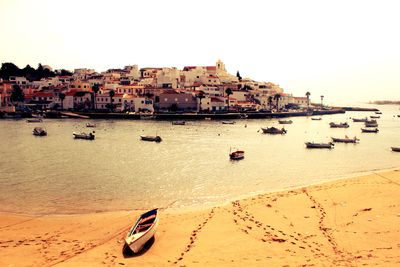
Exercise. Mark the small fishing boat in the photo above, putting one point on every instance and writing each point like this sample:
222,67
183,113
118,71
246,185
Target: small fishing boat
273,130
360,120
86,136
285,121
39,131
345,140
228,122
34,120
316,119
90,125
374,117
371,124
147,117
142,231
339,125
395,149
364,130
243,116
319,145
178,123
238,154
151,138
378,112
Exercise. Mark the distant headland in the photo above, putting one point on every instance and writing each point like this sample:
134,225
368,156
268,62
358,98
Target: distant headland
385,102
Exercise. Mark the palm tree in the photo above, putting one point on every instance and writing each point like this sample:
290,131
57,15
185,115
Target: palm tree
62,97
308,100
322,98
277,97
200,96
228,92
112,94
270,98
95,89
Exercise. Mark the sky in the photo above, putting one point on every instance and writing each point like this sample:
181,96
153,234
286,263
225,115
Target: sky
347,51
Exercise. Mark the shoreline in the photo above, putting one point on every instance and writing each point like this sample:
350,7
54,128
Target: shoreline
350,221
204,205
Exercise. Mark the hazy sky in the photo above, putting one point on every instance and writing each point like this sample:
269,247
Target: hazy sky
340,49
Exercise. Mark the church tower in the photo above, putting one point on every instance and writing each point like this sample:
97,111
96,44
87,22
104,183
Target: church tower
220,66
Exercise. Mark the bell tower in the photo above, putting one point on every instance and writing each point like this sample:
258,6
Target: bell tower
220,66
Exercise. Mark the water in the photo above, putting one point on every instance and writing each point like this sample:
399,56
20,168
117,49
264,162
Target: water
57,174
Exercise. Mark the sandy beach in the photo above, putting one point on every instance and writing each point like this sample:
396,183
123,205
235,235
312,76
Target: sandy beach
349,222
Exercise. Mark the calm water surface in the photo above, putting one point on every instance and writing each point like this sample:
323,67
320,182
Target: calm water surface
56,174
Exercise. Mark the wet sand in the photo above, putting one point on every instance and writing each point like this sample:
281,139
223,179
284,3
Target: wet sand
349,222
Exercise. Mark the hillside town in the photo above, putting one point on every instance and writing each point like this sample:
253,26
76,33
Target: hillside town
194,89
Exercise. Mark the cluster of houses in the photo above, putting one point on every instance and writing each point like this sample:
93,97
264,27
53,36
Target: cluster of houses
192,89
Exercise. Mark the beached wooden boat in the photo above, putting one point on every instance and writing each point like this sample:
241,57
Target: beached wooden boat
364,130
142,231
316,119
39,131
151,138
238,154
374,117
378,112
86,136
395,149
285,121
91,125
34,120
178,123
339,125
228,122
273,130
319,145
345,140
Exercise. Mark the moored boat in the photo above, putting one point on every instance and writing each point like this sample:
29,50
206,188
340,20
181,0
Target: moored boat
238,154
39,131
151,138
339,125
319,145
371,124
86,136
345,140
34,120
142,231
360,120
285,121
178,123
273,130
364,130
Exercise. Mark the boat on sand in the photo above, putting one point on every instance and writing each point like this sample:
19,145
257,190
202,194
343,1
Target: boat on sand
395,149
142,231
